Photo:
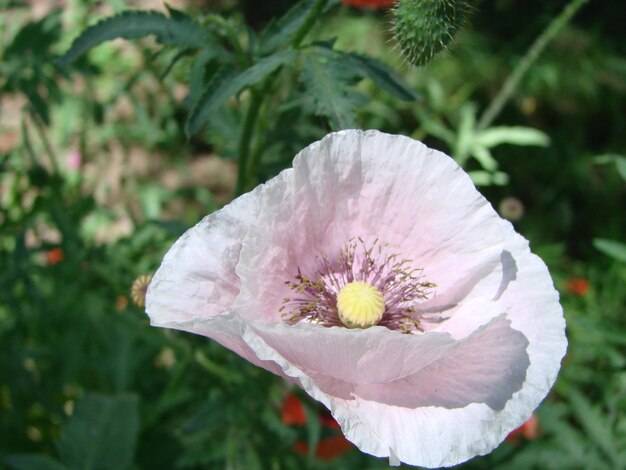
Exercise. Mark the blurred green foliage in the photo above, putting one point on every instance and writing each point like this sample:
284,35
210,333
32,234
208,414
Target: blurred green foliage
97,180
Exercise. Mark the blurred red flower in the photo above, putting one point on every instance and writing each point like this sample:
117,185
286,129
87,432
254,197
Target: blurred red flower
370,3
528,431
293,411
328,448
54,256
577,286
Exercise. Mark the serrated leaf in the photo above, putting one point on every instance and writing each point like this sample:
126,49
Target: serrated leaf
174,13
227,83
516,135
35,38
32,461
279,32
179,55
327,80
383,76
177,30
612,248
197,76
101,434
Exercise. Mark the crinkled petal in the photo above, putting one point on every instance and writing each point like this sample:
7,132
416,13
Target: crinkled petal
432,399
433,435
432,369
370,185
197,279
441,433
228,330
195,286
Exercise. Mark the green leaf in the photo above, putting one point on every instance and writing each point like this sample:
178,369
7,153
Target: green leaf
179,55
383,76
101,434
465,133
313,428
35,38
197,76
619,160
484,157
326,79
14,4
279,32
38,103
620,164
485,178
178,30
434,126
174,13
516,135
594,423
226,83
612,248
217,91
32,461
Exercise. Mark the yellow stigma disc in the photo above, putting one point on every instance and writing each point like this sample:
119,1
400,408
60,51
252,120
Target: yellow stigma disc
360,305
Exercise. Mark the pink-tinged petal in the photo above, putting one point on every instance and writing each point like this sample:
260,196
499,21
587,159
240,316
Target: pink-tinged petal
363,357
528,296
194,288
353,356
494,328
534,310
423,434
228,329
433,435
488,367
197,279
432,369
370,185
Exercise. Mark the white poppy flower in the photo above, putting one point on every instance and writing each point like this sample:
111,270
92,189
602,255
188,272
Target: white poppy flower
376,277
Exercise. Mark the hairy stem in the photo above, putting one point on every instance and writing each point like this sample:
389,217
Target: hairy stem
248,162
513,81
40,128
310,20
245,142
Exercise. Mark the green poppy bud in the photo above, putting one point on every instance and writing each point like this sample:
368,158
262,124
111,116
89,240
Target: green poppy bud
423,28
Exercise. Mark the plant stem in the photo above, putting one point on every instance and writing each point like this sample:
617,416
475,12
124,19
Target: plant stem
231,33
310,20
39,126
248,163
26,140
513,81
246,141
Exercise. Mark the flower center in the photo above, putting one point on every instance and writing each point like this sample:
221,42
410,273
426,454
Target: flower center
360,286
360,305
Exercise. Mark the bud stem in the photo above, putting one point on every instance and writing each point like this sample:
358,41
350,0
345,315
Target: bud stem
531,56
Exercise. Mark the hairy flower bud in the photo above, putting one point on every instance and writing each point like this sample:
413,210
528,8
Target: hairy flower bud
423,28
